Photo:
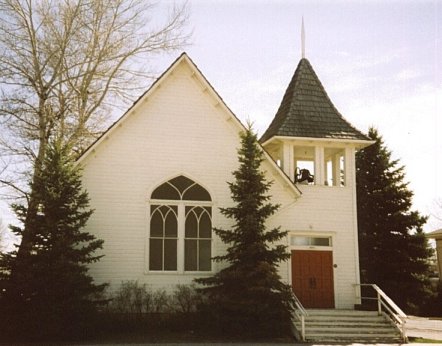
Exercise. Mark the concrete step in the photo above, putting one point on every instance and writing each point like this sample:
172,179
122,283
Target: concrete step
314,335
345,318
355,339
340,312
350,330
352,334
348,325
349,322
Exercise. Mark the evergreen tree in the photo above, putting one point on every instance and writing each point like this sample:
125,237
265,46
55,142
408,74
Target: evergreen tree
393,250
49,292
247,297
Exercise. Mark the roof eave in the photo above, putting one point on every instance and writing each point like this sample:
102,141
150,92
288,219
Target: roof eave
132,109
358,143
437,234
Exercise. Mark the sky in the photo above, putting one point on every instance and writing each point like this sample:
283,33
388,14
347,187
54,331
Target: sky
379,61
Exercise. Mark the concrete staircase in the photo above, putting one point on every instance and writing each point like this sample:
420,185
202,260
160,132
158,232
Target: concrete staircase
348,326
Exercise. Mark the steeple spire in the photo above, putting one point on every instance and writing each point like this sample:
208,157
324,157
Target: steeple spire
302,39
306,111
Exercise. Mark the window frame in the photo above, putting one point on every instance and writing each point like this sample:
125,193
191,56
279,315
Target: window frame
181,220
164,236
198,237
330,234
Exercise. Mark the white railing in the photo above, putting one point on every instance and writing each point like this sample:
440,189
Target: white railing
386,305
299,314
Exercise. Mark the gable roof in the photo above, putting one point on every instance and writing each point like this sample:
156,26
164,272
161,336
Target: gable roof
307,111
206,86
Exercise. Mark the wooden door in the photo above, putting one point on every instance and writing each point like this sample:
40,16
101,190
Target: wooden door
312,278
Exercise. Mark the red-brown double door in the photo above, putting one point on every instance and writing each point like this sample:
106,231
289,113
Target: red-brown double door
312,278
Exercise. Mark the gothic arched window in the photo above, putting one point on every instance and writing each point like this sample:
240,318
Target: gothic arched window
180,227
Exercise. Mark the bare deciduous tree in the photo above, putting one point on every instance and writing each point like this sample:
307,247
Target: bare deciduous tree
62,63
436,210
3,230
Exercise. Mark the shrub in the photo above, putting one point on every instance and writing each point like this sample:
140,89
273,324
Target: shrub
186,299
160,302
131,298
136,299
136,308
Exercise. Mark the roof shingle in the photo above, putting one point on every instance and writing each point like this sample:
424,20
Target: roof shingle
307,111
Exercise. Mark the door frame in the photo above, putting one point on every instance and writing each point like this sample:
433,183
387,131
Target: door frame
291,247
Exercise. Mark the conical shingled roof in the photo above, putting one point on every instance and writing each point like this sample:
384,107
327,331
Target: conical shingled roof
307,111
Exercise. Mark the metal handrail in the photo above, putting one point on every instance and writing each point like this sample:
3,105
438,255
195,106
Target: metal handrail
385,303
299,313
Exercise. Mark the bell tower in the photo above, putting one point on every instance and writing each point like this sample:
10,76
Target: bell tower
309,138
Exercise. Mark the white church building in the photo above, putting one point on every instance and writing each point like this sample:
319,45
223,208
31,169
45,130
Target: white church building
158,177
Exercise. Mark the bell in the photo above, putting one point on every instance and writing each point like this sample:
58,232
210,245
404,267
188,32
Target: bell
304,176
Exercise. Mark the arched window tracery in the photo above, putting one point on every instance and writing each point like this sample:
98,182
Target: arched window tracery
182,225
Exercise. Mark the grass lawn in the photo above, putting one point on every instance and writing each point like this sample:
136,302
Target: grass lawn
424,341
